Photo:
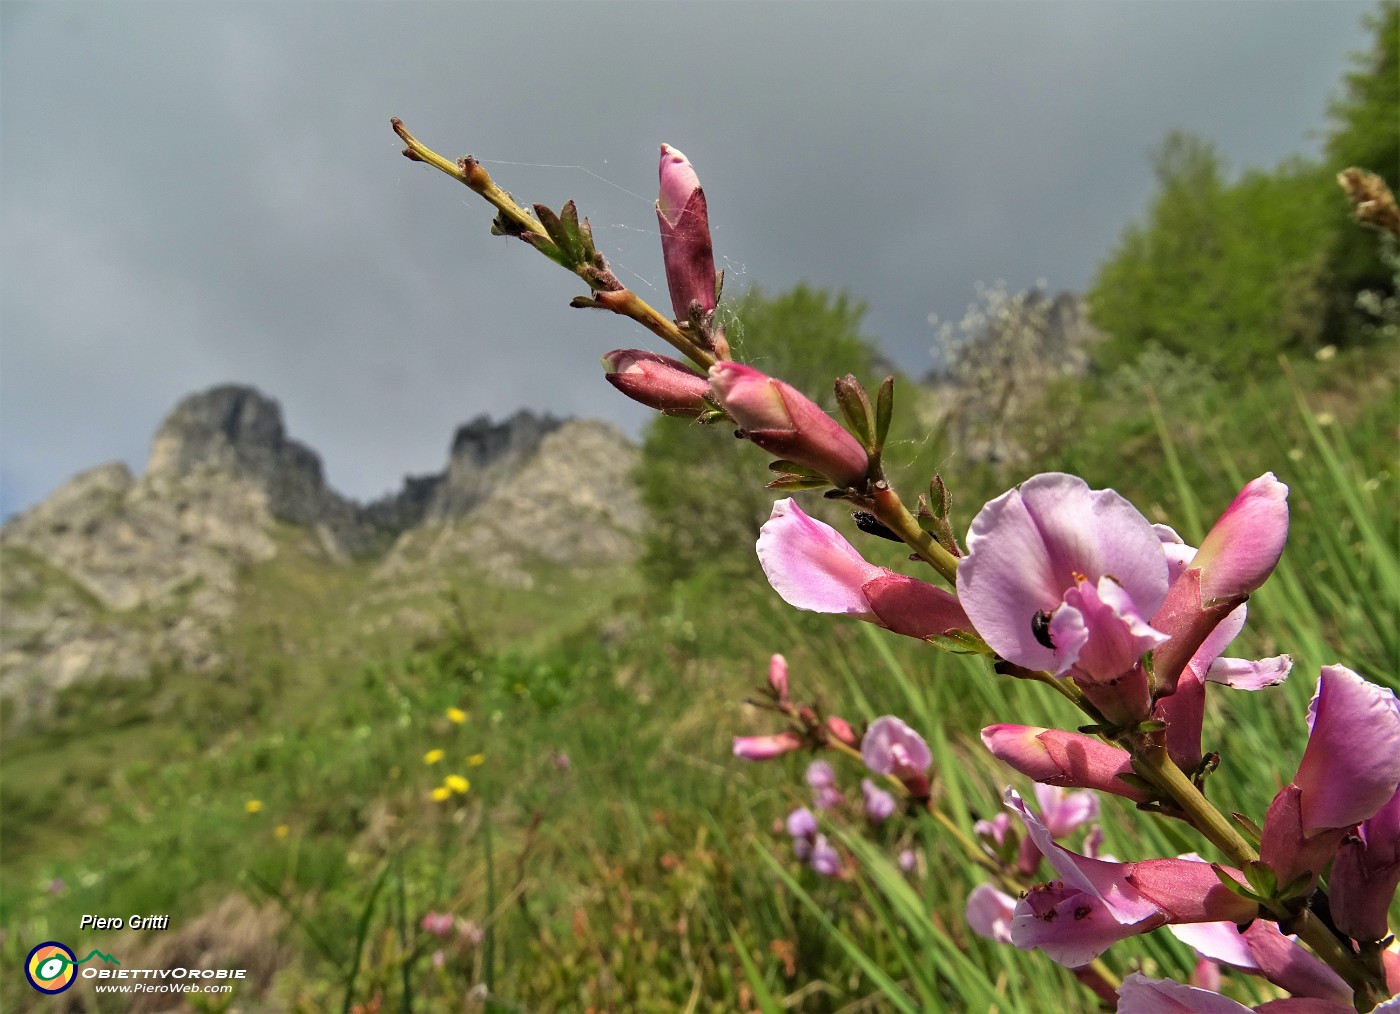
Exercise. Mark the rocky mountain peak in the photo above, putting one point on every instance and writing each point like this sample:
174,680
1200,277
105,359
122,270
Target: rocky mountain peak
237,431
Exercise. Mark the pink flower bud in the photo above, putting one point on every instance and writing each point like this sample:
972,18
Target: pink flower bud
757,748
657,381
778,676
1054,757
685,235
785,422
1243,548
841,730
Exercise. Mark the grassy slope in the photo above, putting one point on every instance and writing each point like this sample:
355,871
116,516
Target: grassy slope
615,882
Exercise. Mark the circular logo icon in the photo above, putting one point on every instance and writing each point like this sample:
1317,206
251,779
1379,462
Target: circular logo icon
50,967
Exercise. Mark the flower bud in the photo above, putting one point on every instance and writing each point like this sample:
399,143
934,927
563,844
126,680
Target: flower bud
1054,757
685,235
756,748
841,730
657,381
1244,546
785,422
778,676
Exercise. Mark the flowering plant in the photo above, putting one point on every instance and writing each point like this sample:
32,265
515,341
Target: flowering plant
1058,584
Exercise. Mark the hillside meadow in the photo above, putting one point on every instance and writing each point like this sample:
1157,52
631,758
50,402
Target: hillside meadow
608,852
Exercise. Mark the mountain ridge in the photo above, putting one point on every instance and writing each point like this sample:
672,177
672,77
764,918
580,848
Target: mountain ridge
113,572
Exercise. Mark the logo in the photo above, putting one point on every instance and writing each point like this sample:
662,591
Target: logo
51,967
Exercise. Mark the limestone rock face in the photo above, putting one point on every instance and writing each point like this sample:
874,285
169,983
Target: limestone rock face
571,502
236,431
113,573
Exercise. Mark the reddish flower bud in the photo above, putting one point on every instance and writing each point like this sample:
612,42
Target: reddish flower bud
758,748
1244,546
785,422
685,235
660,382
1061,758
841,730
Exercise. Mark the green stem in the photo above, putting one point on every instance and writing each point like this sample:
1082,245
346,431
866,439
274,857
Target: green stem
890,509
469,172
1157,765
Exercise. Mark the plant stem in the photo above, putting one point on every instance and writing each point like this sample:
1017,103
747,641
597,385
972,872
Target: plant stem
1156,763
622,301
890,509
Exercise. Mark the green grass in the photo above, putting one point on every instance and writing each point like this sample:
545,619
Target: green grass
647,875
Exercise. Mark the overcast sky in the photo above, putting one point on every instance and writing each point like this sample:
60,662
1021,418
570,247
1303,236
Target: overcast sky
202,193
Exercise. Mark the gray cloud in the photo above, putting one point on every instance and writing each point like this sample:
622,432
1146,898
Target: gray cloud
202,193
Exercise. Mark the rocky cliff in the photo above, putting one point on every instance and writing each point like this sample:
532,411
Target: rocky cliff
113,573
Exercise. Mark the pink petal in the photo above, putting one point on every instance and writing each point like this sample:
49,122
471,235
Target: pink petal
811,566
1070,926
1244,546
1141,995
1243,674
914,608
1218,941
989,913
890,748
1029,546
678,182
756,748
1118,633
1096,878
1064,812
1351,766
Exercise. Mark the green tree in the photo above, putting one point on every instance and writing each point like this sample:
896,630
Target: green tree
705,490
1365,134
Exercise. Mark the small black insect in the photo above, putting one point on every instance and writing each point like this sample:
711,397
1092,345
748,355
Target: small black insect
1040,627
871,525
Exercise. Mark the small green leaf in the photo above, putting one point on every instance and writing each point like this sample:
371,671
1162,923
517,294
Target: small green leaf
884,412
855,407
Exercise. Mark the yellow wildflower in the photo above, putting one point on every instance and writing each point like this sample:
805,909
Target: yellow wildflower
253,805
282,830
456,716
476,760
433,756
456,783
441,793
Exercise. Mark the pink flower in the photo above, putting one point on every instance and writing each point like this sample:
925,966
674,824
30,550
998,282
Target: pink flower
879,804
660,382
1061,577
1351,765
1053,757
438,924
1349,771
892,748
1097,902
822,780
825,859
785,422
685,235
758,748
989,913
812,567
